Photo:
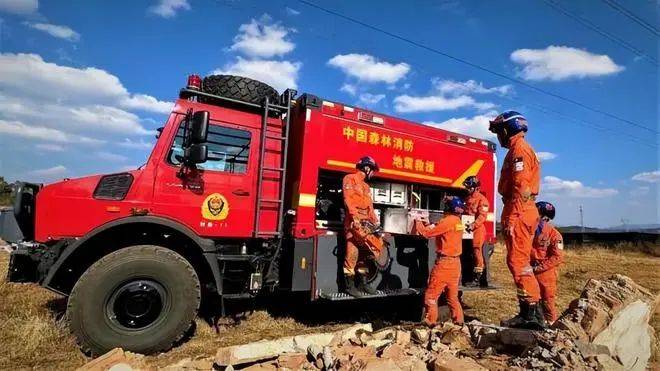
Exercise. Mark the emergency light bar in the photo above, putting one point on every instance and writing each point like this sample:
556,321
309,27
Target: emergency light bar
194,82
455,139
368,117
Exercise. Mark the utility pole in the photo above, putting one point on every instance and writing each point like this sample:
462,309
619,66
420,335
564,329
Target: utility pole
582,218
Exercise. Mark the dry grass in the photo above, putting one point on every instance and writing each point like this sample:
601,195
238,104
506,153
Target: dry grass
33,337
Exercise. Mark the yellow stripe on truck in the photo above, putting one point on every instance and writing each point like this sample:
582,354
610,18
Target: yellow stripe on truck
472,170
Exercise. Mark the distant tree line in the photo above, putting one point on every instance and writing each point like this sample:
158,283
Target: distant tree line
5,192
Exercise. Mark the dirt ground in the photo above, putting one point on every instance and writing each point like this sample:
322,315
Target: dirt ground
34,336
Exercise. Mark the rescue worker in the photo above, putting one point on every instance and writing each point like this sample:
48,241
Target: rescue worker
546,258
476,205
519,185
446,272
359,210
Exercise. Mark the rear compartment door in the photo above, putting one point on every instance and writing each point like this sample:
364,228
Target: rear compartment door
218,200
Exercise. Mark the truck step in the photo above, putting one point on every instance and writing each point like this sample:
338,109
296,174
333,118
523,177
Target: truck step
339,296
235,257
237,296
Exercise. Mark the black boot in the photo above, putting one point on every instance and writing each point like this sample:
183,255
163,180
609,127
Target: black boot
537,318
519,319
349,287
363,286
476,280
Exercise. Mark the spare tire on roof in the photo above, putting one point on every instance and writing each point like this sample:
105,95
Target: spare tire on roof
240,88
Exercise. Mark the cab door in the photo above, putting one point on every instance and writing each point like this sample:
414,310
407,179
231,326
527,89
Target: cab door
218,198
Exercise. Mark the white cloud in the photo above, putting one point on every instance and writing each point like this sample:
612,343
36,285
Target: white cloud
48,174
141,144
49,147
62,32
562,62
640,191
291,11
370,99
476,126
109,156
555,187
406,103
21,7
169,8
262,39
280,74
648,176
349,89
452,87
146,103
367,68
19,129
546,156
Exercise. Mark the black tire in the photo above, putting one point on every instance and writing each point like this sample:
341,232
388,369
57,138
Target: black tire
240,88
98,310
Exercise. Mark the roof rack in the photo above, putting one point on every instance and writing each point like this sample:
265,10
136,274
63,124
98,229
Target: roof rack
189,93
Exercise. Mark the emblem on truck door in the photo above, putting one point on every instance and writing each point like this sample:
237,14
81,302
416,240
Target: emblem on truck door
215,207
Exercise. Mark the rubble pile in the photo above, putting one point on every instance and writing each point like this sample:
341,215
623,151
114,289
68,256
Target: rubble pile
606,328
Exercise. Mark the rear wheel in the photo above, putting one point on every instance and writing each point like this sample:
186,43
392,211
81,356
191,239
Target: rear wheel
240,88
140,298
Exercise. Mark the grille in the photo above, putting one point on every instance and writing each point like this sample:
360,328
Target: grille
113,187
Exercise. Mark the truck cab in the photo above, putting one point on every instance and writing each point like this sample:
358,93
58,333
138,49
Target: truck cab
240,196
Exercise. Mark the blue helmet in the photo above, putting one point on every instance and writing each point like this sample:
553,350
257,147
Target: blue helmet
455,205
546,209
510,123
471,182
367,161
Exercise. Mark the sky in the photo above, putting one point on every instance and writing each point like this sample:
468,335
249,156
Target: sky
84,84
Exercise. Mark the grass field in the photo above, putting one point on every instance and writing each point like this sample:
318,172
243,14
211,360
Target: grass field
34,336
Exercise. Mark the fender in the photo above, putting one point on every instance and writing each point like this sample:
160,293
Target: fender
207,246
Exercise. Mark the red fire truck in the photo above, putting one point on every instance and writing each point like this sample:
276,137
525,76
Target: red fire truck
241,196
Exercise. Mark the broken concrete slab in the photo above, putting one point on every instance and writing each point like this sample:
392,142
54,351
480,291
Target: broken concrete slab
114,358
252,352
448,362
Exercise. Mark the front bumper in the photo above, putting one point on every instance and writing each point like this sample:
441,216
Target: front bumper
30,262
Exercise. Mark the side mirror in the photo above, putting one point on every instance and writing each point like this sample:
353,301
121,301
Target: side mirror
199,127
195,154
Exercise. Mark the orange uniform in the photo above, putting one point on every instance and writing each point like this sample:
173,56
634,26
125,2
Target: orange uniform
478,205
519,185
546,257
448,233
359,206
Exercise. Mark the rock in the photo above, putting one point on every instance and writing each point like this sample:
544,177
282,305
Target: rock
590,349
314,351
265,366
107,361
252,352
448,362
378,343
455,338
517,337
629,336
420,335
292,361
351,332
385,334
198,363
402,337
302,342
607,363
594,321
121,367
328,360
380,364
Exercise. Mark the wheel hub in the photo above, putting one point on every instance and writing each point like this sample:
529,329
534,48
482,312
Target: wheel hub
136,304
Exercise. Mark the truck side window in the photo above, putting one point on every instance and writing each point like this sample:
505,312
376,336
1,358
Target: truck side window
228,149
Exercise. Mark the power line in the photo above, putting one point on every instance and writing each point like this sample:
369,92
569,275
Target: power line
474,65
621,9
583,21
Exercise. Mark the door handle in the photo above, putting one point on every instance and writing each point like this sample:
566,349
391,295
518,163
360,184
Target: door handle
240,192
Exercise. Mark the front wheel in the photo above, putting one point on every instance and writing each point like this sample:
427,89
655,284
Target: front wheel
140,298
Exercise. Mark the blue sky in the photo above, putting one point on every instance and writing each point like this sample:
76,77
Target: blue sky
84,84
